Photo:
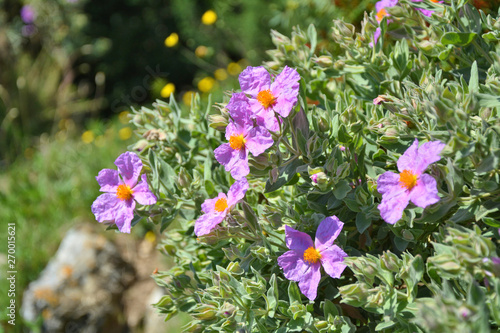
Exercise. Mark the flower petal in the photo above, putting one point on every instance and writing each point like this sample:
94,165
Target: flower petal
240,168
297,240
205,223
209,205
417,159
287,82
293,265
376,36
142,194
425,193
125,215
284,104
105,207
258,140
388,182
309,281
328,230
265,116
109,180
332,260
254,80
226,155
237,192
393,204
385,4
239,108
129,166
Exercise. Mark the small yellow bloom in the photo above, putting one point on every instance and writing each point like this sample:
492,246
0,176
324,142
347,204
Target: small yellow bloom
125,133
233,68
201,51
186,98
172,40
206,84
88,137
220,74
123,117
209,17
150,237
167,90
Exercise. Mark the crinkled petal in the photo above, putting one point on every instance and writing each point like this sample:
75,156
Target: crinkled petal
125,215
239,108
240,169
417,159
385,4
226,155
425,193
309,281
237,192
293,265
258,140
142,194
105,207
328,230
129,166
265,116
209,205
393,204
286,83
332,260
254,80
207,222
109,180
285,103
297,240
388,182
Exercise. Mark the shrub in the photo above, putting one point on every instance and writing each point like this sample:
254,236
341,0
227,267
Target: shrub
426,265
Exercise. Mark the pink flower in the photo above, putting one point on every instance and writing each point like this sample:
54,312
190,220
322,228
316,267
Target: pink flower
216,209
411,183
381,6
117,204
243,137
266,98
426,12
305,258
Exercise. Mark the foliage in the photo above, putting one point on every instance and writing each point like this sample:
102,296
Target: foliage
436,269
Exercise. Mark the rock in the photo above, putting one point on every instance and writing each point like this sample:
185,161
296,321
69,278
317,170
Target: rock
81,288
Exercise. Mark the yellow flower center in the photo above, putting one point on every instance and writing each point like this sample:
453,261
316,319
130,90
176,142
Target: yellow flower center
237,142
123,192
408,179
312,255
221,204
266,98
381,14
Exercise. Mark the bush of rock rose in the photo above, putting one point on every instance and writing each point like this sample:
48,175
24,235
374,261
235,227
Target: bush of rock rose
349,184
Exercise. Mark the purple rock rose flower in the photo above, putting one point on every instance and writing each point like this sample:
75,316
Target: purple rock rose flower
426,12
121,189
411,183
243,137
266,98
216,209
381,6
305,258
28,14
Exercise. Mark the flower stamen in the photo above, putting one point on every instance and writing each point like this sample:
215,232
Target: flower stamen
266,98
407,179
221,205
123,192
311,255
381,14
237,142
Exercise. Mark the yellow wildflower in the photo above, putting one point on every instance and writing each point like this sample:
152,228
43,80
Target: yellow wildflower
209,17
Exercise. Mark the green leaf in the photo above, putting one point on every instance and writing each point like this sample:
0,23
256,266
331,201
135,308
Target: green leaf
474,78
362,222
341,189
294,292
458,38
312,35
272,296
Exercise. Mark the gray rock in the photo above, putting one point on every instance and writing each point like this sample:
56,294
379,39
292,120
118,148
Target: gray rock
81,288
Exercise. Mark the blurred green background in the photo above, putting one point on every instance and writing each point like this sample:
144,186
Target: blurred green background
70,70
